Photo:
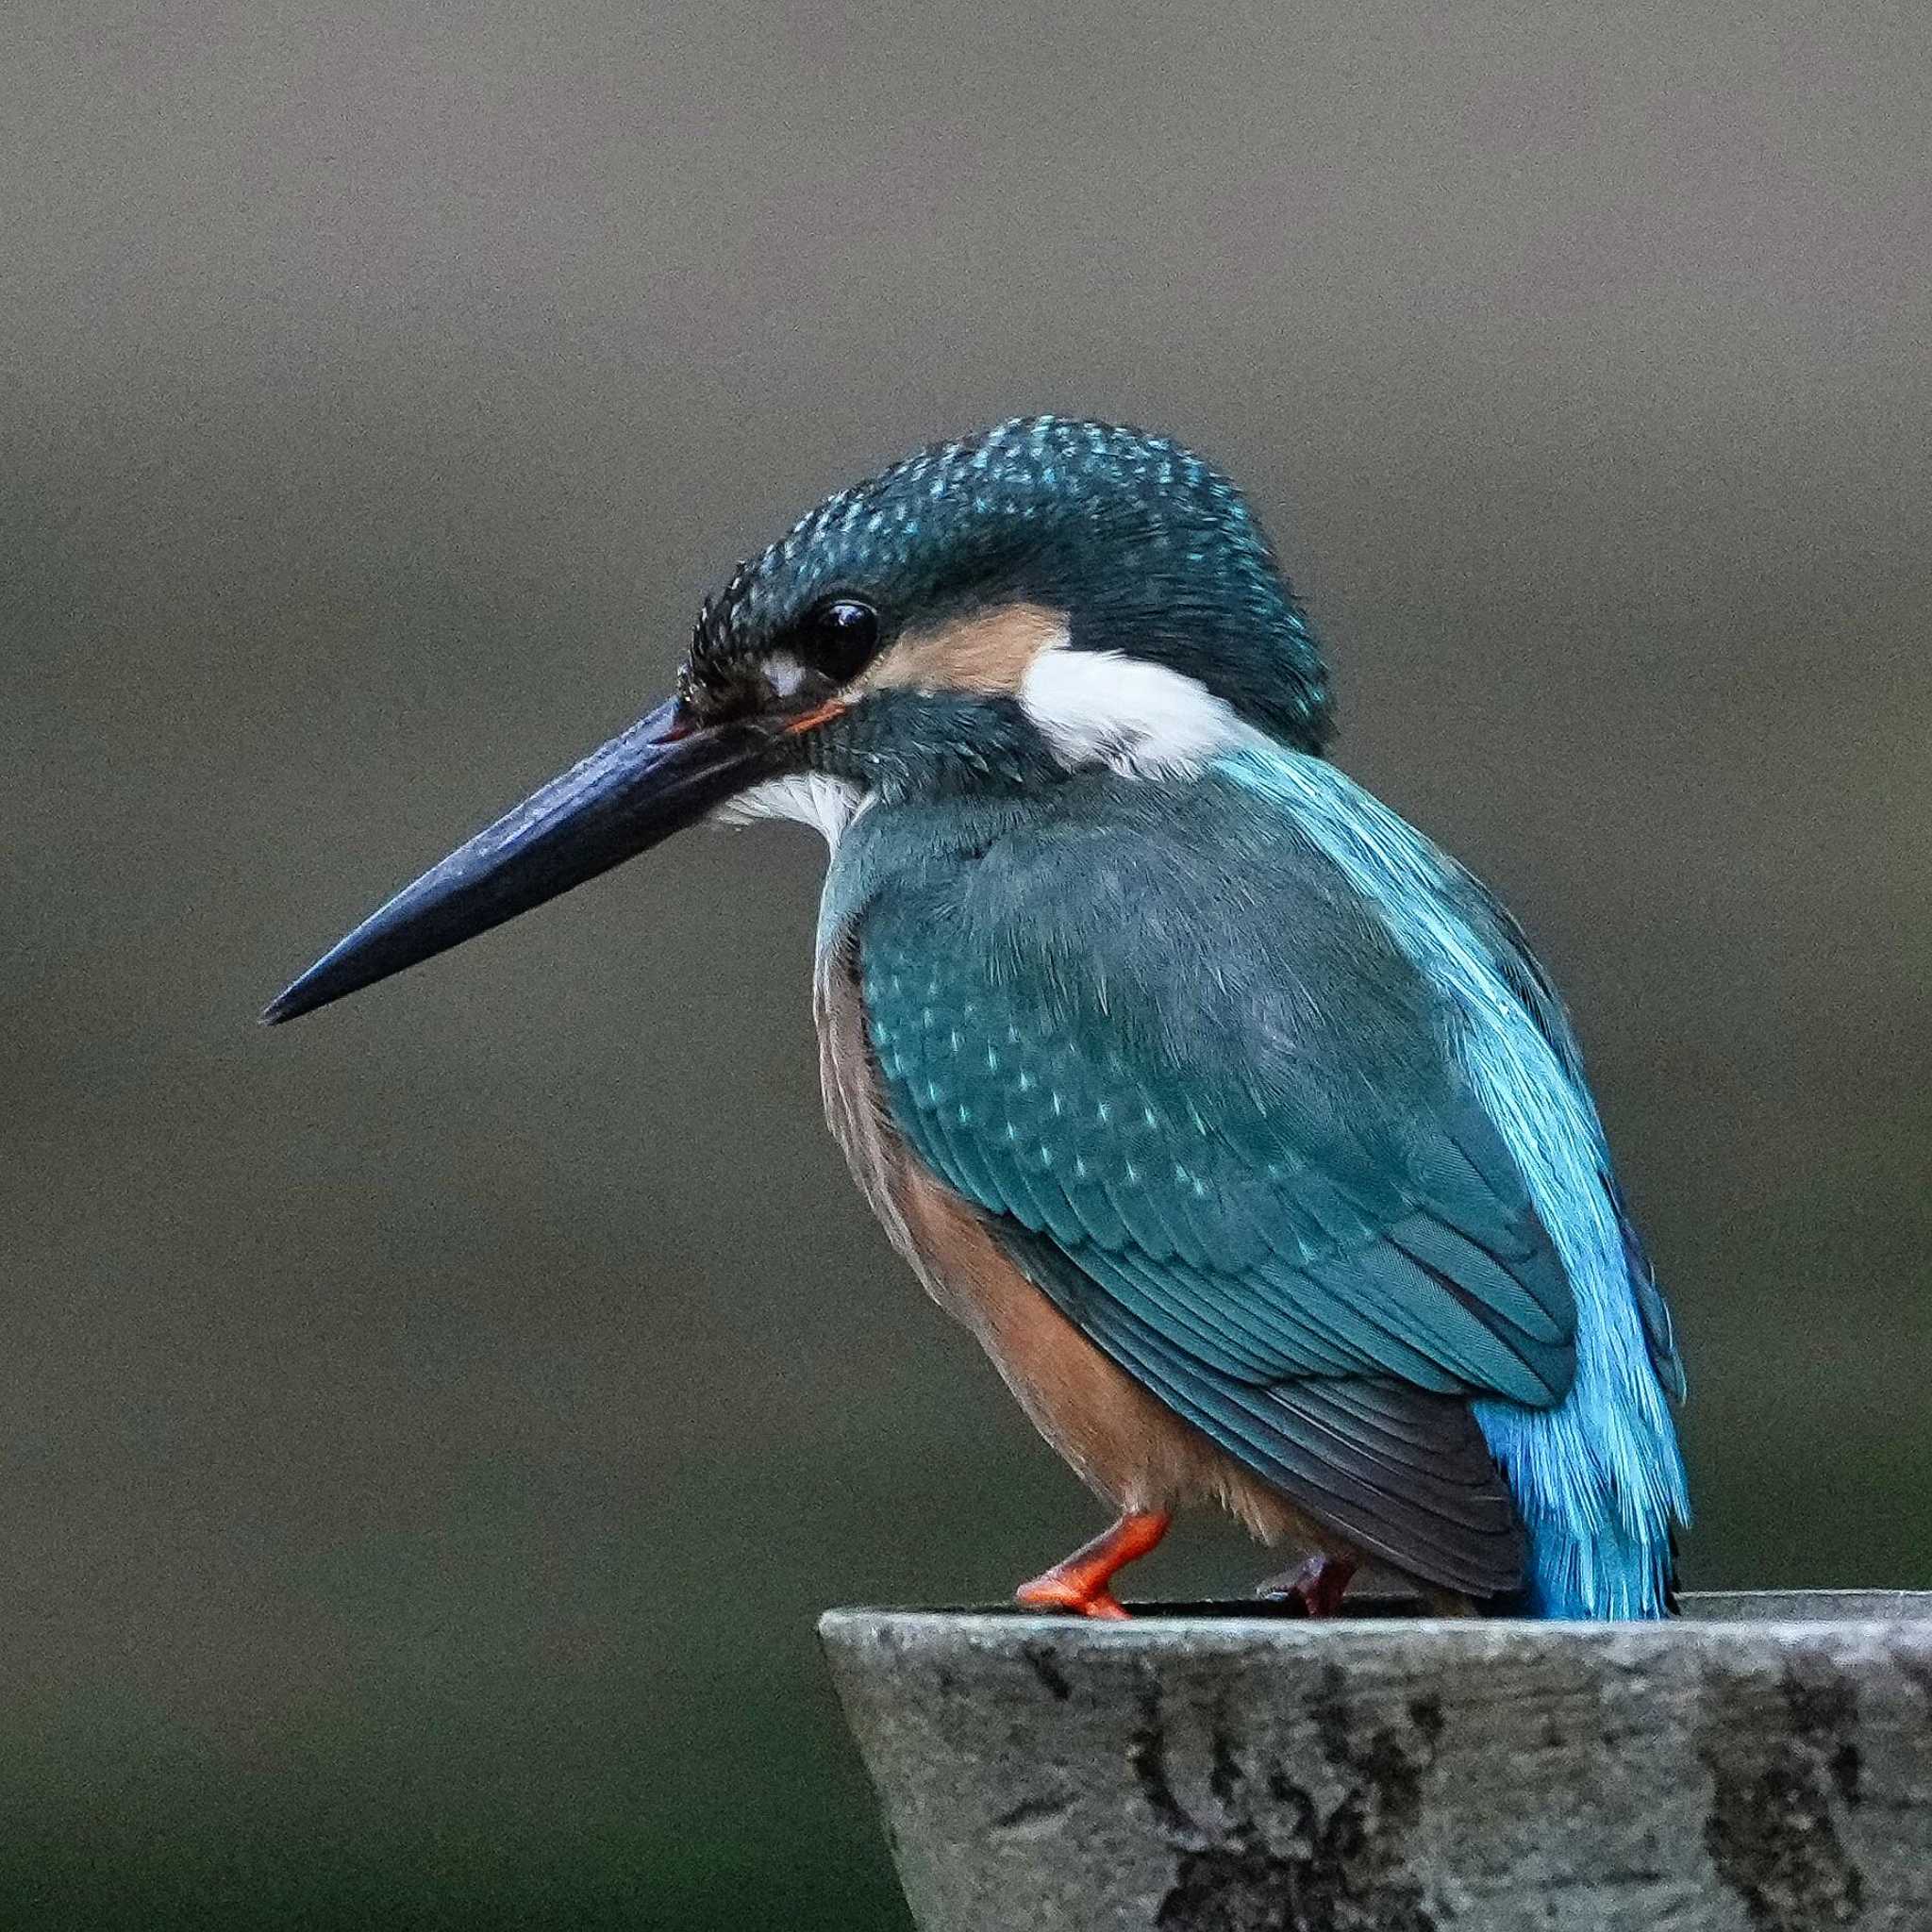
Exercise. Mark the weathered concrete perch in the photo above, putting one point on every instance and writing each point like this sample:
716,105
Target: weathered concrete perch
1765,1764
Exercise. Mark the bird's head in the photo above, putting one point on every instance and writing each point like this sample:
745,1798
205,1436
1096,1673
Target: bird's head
990,614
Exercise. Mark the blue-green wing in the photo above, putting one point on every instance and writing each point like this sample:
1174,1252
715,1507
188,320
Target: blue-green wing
1214,1116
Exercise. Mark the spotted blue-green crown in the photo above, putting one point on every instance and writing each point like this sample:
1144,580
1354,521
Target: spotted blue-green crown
1148,549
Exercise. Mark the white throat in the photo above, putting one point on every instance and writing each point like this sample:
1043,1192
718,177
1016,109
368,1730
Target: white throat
808,798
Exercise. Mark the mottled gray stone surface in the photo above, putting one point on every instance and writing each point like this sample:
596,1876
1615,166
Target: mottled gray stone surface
1762,1765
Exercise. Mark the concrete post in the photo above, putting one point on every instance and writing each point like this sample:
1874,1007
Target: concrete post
1763,1764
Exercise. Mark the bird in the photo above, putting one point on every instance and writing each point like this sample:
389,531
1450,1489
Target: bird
1236,1120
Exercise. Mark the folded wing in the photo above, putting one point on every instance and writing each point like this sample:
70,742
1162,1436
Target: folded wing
1224,1131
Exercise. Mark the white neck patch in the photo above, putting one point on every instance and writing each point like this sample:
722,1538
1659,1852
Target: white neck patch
1100,707
808,798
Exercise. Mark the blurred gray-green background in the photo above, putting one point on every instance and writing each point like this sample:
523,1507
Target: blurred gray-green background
428,1433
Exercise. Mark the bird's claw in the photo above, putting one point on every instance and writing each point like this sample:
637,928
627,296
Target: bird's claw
1315,1590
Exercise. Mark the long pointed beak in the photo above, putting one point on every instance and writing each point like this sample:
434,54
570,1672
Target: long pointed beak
648,782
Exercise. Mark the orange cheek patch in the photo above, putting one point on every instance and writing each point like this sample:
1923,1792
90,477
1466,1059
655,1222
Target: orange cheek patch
992,651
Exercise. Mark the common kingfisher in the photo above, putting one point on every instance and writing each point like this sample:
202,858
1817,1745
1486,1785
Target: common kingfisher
1238,1122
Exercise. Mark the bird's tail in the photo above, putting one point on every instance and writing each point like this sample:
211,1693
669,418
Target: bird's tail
1601,1485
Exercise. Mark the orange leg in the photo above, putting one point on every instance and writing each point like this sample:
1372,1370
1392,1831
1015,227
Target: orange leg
1080,1583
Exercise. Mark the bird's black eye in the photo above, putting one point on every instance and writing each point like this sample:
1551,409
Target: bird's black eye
840,636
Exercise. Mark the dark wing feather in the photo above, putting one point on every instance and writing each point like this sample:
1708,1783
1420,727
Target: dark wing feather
1400,1470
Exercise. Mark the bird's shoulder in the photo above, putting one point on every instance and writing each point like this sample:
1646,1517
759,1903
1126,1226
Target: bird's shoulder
1204,923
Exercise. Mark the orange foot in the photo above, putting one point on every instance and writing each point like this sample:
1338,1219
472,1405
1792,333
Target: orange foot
1080,1584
